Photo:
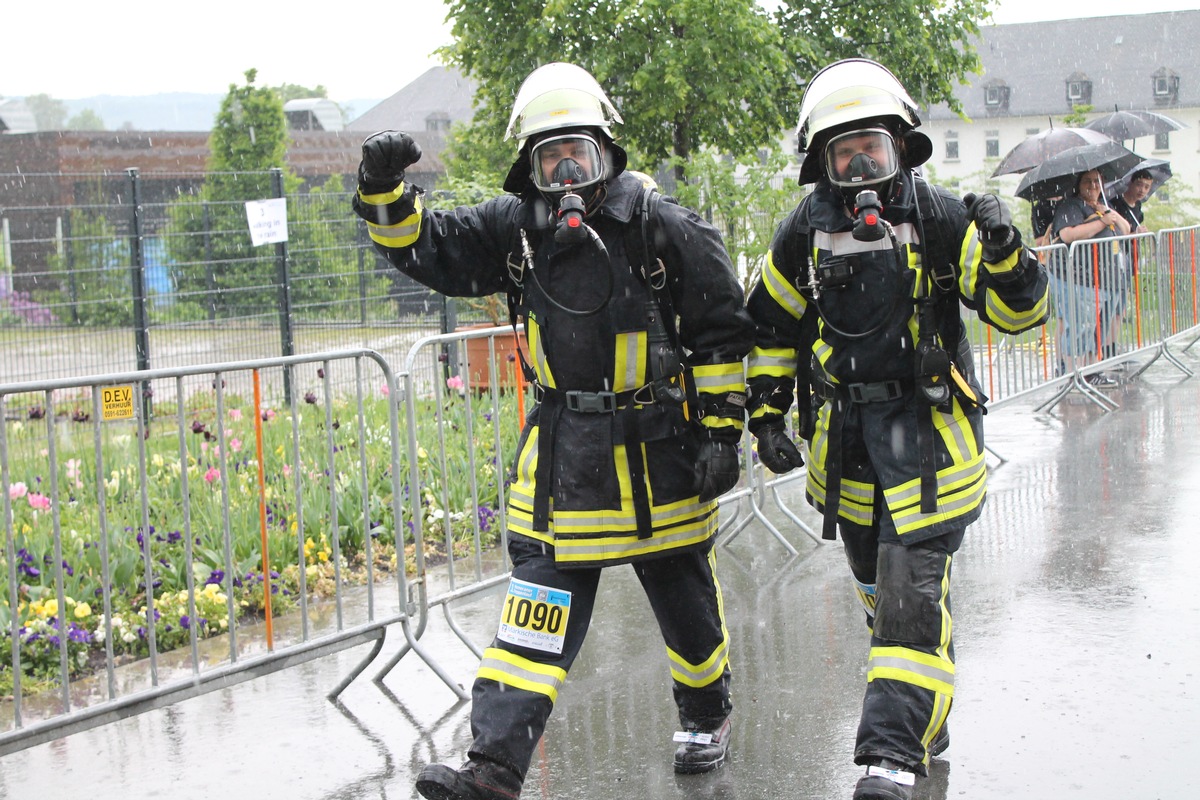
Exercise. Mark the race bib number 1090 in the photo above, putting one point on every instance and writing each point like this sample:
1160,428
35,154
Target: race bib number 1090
534,616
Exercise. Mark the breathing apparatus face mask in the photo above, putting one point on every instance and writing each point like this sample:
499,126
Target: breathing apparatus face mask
563,165
566,163
863,159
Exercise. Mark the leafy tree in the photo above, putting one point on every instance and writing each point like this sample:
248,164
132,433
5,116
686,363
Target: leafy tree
86,120
1078,116
292,91
249,138
699,89
690,74
1174,205
746,201
49,114
927,45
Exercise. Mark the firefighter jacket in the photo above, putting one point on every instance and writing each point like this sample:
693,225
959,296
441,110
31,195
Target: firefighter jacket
604,471
857,343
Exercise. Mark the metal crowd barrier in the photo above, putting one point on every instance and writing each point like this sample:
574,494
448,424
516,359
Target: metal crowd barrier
453,454
1115,305
98,488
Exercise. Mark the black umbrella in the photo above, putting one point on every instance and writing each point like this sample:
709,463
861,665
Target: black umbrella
1056,176
1037,148
1160,173
1122,125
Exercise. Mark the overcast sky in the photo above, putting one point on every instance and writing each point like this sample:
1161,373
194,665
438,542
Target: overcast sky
70,49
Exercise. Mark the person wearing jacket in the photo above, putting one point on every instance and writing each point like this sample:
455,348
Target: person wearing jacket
636,339
861,297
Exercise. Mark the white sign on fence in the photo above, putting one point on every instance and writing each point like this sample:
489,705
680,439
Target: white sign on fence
268,220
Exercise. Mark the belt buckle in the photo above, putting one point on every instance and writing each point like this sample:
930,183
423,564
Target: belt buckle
874,392
592,402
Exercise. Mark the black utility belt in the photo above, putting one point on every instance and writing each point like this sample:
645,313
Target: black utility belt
595,402
877,392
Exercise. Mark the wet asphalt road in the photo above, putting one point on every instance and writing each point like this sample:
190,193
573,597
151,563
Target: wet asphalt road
1076,620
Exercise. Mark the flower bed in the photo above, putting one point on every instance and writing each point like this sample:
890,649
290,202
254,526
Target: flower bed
337,483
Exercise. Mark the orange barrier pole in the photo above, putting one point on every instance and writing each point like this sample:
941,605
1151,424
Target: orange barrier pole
1045,353
520,395
1195,311
262,512
1171,282
1099,309
1137,298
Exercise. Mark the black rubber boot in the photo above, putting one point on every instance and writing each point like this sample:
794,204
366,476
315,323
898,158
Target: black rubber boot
701,749
887,781
474,780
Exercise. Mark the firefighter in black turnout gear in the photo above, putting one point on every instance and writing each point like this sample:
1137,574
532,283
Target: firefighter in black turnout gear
636,335
858,307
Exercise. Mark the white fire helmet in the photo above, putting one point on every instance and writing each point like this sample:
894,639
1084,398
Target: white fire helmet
559,95
851,91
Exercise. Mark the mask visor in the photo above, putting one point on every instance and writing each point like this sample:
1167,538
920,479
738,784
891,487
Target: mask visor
861,159
566,163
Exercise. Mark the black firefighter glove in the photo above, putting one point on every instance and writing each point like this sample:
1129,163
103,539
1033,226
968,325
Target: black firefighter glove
776,449
385,156
718,467
993,222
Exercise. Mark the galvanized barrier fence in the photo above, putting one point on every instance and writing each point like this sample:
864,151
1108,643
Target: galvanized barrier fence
345,466
170,537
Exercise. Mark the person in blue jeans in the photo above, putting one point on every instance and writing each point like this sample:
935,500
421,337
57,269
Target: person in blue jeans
1085,216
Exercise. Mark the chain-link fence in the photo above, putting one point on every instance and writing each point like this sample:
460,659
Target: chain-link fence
114,271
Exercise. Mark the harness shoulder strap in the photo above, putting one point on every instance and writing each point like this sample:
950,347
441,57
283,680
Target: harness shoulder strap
937,242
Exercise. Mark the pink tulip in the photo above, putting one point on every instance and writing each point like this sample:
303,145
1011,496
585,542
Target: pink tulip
212,474
39,501
17,490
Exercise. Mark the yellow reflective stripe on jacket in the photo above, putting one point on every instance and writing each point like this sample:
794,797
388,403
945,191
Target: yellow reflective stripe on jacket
912,666
629,372
382,198
591,549
578,535
774,362
782,290
957,433
961,489
856,502
1008,318
719,378
537,351
970,256
398,234
510,669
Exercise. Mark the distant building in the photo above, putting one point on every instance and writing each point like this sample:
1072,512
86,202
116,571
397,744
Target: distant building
313,114
15,117
425,108
1035,73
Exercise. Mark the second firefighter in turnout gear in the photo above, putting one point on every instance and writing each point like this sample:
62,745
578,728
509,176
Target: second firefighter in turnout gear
859,306
636,335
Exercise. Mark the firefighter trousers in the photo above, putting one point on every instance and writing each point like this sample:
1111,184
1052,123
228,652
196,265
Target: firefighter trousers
905,590
527,663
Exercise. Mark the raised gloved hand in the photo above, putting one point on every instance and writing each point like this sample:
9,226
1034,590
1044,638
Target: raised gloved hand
993,221
717,468
776,449
385,156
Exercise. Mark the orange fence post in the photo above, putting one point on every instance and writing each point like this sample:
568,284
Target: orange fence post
262,512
